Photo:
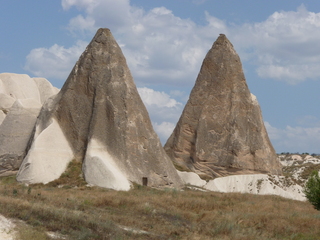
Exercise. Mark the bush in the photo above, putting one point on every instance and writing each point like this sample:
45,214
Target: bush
312,189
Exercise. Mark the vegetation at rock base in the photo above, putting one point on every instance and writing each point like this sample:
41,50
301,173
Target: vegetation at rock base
72,177
312,189
82,212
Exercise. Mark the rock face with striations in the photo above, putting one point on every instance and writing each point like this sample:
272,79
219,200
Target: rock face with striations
221,130
98,118
21,98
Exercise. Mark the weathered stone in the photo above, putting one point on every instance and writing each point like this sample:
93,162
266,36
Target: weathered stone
101,121
20,101
221,130
45,88
2,116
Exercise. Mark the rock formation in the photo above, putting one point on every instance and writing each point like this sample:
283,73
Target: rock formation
262,184
21,98
99,119
221,130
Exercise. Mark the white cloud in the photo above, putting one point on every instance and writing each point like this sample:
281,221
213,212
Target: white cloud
285,47
180,95
274,133
104,13
160,99
163,130
79,23
295,139
163,110
309,121
216,23
56,61
161,106
159,46
162,48
87,5
292,73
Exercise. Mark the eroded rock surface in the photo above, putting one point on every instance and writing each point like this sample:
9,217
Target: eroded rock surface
98,118
21,98
221,130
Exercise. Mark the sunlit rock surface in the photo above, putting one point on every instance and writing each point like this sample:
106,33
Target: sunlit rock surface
98,118
21,98
221,130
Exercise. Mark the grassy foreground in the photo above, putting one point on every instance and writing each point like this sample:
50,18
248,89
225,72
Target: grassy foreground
81,212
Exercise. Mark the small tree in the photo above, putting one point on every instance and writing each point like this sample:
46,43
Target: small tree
312,189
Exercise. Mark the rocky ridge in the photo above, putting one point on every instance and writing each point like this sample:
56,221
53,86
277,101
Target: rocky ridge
99,119
91,121
221,130
21,98
296,169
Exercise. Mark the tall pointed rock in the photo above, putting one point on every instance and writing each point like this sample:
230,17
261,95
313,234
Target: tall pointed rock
98,118
221,130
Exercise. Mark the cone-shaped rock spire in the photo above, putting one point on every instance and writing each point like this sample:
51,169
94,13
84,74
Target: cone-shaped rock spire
98,118
221,130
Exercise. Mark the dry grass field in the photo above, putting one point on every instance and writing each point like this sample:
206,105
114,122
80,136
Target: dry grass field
76,211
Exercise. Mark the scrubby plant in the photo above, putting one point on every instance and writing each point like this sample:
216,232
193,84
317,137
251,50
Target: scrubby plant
312,189
72,177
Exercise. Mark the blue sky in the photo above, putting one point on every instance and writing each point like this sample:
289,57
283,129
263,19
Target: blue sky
165,42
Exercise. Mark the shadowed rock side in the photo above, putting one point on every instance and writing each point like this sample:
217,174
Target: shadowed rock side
221,130
21,98
98,118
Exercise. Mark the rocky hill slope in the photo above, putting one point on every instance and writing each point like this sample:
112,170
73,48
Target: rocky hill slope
98,119
221,130
296,170
21,98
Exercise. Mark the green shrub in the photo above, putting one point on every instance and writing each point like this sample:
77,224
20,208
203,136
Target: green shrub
312,189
